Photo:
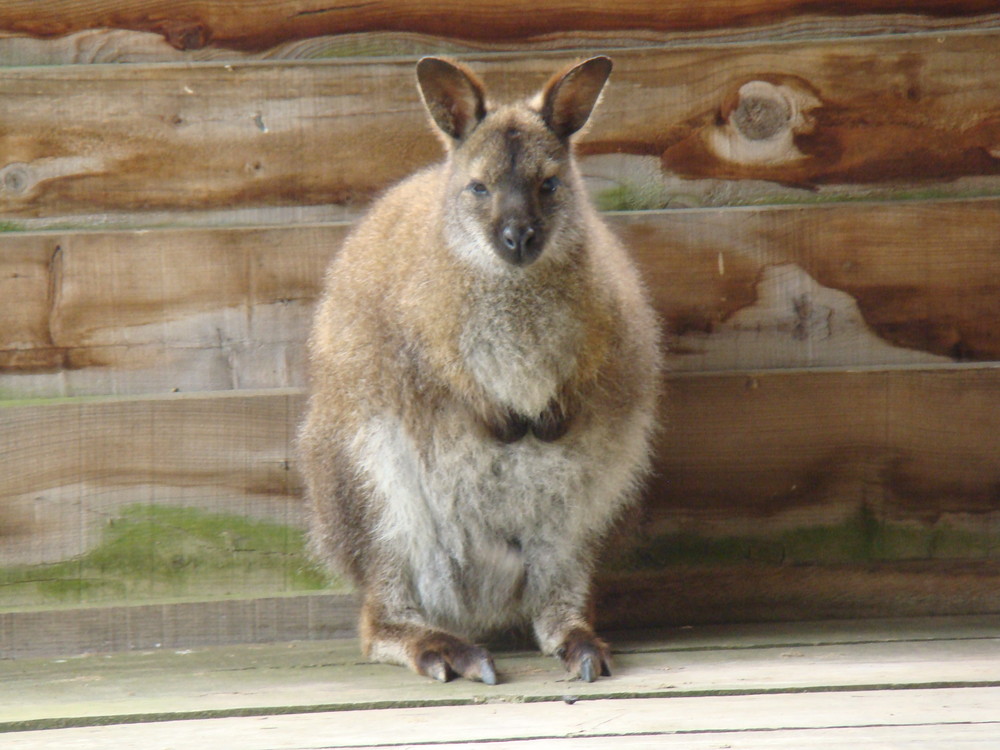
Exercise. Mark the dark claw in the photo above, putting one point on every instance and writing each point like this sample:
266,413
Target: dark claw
474,663
434,666
446,657
487,672
585,655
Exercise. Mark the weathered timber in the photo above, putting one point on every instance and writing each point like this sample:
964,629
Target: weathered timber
192,310
701,125
61,631
87,36
743,592
868,455
69,468
861,284
144,312
886,715
260,26
799,466
674,688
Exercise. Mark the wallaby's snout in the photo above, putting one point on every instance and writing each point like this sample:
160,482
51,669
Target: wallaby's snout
520,231
520,243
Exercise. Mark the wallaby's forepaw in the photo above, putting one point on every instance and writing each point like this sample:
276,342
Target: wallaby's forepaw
551,424
585,655
548,427
443,657
509,428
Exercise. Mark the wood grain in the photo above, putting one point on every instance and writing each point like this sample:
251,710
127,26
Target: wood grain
142,312
193,310
260,25
318,695
860,284
92,36
28,633
678,126
67,468
758,457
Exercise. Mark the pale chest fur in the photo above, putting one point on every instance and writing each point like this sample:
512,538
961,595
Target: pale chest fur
521,346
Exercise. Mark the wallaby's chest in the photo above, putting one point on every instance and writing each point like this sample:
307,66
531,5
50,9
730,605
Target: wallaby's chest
520,346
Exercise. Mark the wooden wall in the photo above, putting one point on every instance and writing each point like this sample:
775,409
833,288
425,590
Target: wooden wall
812,190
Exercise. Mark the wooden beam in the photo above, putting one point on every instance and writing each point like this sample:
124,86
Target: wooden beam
260,26
176,625
885,116
865,454
836,466
690,688
217,309
161,311
69,468
833,285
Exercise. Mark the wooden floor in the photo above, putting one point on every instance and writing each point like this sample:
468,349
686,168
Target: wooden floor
926,683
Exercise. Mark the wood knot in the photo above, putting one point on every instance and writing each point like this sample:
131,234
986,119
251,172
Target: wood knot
186,35
15,178
757,124
762,112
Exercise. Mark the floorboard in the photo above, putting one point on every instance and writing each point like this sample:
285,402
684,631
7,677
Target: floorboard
901,683
762,719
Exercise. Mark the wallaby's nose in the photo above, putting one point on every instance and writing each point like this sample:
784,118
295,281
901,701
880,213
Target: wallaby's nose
520,244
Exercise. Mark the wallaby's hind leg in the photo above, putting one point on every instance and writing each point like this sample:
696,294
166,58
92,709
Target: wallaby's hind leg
563,628
427,651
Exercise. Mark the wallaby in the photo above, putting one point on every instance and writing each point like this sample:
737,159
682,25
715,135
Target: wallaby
484,368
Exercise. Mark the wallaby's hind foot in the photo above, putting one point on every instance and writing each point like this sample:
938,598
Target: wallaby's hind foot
443,656
585,655
429,652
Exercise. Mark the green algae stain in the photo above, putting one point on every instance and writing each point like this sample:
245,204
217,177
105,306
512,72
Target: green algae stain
860,539
153,552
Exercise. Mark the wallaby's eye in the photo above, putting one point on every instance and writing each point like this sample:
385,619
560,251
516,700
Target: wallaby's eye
478,188
549,185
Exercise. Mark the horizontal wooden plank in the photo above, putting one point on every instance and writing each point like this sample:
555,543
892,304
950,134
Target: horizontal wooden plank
867,453
67,468
142,312
310,733
699,591
844,284
916,737
65,631
699,599
310,677
823,285
769,470
687,126
48,32
261,26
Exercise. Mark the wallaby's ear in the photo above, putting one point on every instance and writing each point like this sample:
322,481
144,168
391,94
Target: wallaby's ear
569,98
455,98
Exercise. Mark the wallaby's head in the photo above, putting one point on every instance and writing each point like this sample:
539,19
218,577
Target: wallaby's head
512,186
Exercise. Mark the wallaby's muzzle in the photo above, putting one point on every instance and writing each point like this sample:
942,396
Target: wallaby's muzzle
519,244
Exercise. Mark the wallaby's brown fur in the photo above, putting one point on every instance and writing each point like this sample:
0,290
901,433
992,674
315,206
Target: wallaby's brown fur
484,371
